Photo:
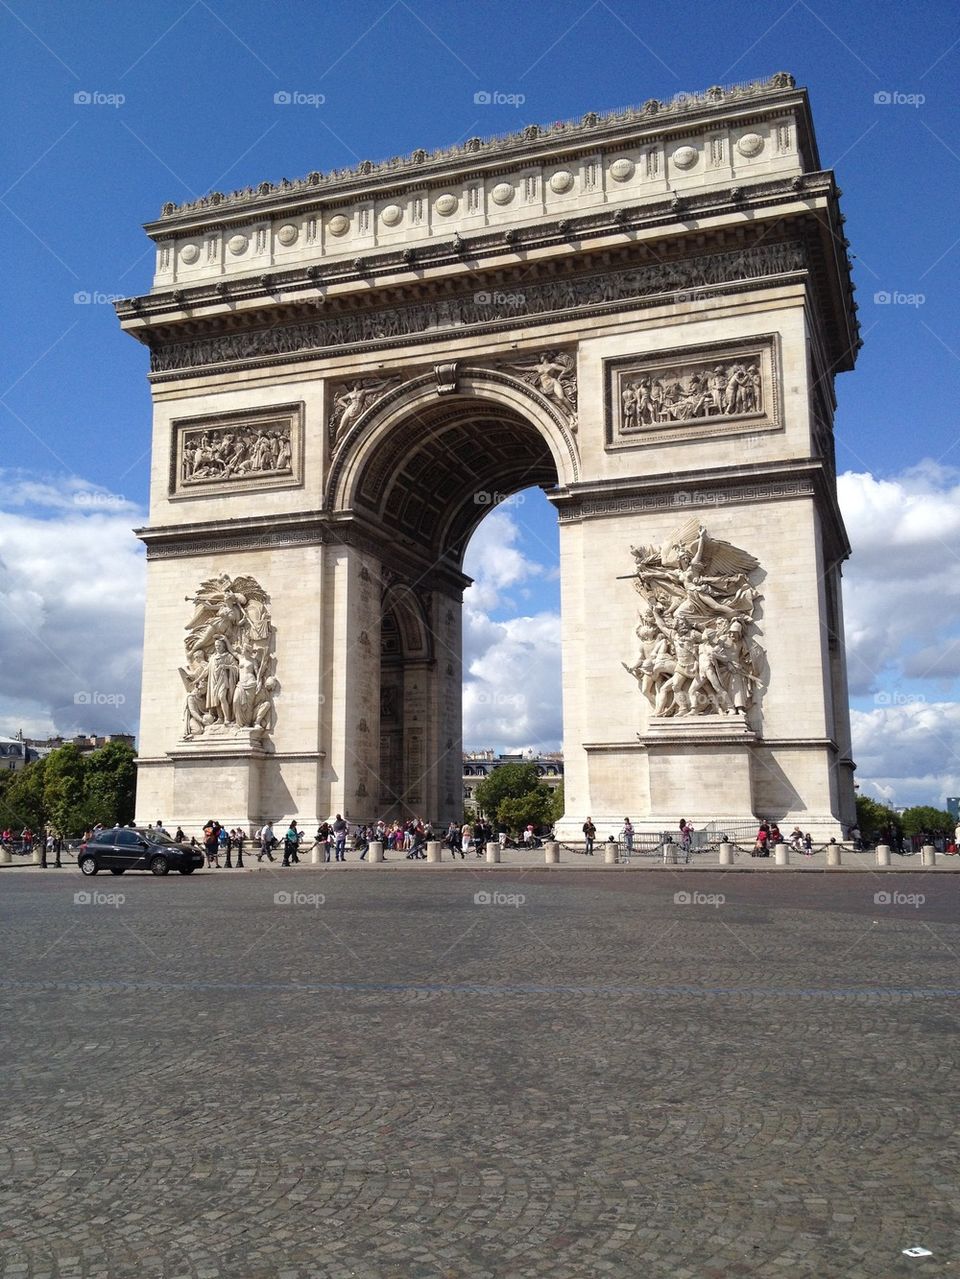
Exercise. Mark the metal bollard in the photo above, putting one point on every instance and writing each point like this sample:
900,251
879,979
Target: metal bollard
726,854
493,850
551,852
928,855
610,854
376,851
434,850
883,854
833,854
669,853
781,855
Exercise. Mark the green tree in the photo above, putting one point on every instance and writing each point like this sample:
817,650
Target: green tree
23,800
64,787
516,812
873,817
111,784
926,820
509,781
557,805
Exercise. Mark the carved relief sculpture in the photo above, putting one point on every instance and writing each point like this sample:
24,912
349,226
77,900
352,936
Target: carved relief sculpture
554,375
350,401
717,390
697,654
231,452
228,677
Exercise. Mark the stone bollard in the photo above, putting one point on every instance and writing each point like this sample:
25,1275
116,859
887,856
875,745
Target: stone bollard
5,856
833,854
726,854
669,853
434,849
610,854
37,855
928,855
316,855
551,852
883,854
781,855
493,850
375,853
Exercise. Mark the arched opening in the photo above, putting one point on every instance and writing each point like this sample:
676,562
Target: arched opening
416,478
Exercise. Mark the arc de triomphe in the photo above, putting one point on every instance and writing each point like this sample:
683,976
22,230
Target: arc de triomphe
641,312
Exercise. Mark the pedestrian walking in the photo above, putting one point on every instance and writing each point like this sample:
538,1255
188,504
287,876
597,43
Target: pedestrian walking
291,842
211,843
268,842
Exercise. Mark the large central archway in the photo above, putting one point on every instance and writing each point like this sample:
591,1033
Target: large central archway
417,475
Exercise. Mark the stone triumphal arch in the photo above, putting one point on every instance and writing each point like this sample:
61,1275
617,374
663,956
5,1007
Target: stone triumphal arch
640,312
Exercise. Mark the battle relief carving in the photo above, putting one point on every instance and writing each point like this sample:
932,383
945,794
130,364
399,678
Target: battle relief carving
237,452
722,389
697,652
554,375
229,679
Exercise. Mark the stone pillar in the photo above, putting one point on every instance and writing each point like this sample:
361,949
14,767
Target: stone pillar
5,856
376,852
781,855
833,854
928,855
669,853
726,854
38,855
493,850
434,850
551,852
610,854
883,854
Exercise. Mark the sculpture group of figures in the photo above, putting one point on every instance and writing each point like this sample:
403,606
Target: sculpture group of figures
697,656
724,390
228,452
228,676
539,298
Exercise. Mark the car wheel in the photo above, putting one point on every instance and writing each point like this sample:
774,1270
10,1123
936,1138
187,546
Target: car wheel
88,865
187,870
159,865
117,870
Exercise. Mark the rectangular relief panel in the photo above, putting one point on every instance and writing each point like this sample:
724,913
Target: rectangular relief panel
239,452
694,393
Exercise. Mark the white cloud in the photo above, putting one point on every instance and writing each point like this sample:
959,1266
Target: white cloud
908,754
71,607
511,694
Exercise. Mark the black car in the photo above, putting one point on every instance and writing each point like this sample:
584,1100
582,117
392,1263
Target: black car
136,848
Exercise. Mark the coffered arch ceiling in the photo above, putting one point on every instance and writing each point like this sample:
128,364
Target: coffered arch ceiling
443,467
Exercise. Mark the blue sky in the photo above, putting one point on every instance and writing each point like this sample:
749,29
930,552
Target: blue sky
197,81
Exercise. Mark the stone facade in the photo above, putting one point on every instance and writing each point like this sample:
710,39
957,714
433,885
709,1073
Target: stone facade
642,313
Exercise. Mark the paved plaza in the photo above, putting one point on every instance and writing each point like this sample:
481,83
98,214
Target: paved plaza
479,1076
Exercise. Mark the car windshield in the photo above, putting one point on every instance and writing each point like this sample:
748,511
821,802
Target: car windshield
158,836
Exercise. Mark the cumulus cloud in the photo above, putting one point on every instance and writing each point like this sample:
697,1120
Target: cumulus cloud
908,754
71,607
511,693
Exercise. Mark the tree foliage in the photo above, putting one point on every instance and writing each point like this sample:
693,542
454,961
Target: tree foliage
874,818
71,791
514,795
926,820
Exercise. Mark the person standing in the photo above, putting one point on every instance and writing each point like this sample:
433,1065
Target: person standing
466,839
179,836
267,843
340,839
686,836
211,843
628,836
291,842
589,835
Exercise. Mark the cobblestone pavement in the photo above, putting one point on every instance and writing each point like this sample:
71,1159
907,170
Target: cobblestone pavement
578,1076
